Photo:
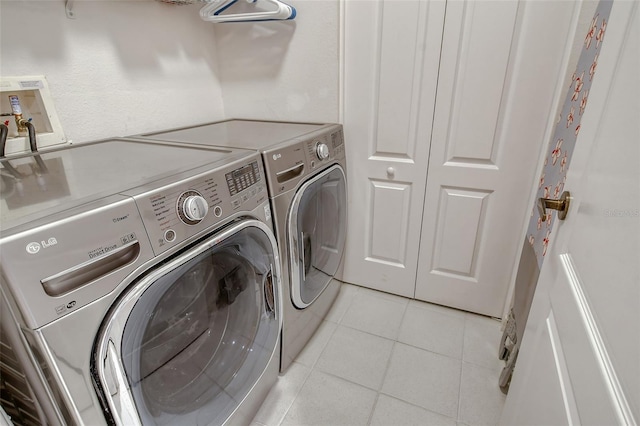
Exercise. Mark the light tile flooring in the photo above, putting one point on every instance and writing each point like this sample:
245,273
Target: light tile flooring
380,359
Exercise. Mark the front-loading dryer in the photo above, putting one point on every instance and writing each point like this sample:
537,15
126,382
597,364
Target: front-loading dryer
305,166
141,283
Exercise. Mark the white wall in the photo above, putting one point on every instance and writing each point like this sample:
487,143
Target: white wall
284,70
125,67
119,68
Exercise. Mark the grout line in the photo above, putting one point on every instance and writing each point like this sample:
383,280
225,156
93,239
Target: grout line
460,393
338,323
335,376
441,309
470,318
416,406
431,352
464,334
293,400
406,344
386,370
404,315
464,337
347,306
367,332
324,347
311,369
373,409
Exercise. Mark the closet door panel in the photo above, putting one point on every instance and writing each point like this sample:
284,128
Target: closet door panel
488,131
392,50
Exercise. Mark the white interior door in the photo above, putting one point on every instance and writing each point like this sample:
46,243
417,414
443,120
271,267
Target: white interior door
579,359
498,77
391,55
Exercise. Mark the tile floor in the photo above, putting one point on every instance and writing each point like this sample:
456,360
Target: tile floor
380,359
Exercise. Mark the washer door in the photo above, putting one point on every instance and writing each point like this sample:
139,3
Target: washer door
317,232
188,342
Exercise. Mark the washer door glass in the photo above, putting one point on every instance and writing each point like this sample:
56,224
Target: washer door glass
317,230
203,331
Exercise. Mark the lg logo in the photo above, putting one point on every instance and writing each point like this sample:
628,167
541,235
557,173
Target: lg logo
276,156
34,247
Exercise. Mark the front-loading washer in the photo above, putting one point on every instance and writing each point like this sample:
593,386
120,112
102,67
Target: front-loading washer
305,166
140,284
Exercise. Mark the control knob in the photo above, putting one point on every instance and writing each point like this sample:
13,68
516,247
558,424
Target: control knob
193,208
322,151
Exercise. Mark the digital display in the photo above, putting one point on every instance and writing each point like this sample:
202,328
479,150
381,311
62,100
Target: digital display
242,178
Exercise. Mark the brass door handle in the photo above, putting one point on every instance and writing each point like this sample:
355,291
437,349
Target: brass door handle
562,205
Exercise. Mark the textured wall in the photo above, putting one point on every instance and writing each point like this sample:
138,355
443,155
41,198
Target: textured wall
124,67
284,70
120,67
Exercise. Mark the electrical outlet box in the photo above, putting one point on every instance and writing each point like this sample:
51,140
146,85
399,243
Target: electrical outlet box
36,104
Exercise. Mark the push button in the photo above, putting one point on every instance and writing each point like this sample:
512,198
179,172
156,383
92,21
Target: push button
169,235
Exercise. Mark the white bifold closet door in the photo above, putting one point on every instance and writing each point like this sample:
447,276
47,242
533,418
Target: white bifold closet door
495,102
446,106
390,74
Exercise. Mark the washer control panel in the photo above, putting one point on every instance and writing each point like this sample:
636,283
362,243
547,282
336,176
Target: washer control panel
175,212
192,207
243,178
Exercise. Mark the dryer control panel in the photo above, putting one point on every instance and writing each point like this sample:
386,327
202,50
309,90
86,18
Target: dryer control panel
288,164
183,209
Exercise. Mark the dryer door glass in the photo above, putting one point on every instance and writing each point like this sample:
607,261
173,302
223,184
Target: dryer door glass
317,229
203,331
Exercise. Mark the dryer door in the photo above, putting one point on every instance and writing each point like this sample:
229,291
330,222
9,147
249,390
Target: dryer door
317,231
190,339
